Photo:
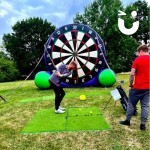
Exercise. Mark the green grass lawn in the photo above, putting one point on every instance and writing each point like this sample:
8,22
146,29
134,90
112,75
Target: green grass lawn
15,115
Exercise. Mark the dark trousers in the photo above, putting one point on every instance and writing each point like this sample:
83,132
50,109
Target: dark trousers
138,95
59,94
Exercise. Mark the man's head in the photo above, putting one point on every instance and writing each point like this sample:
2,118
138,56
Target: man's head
72,65
142,49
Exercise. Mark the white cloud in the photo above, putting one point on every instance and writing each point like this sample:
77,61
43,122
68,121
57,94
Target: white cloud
60,15
19,16
6,5
16,15
12,21
5,8
31,8
3,13
24,13
148,1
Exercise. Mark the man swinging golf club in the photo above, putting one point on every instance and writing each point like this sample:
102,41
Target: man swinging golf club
55,82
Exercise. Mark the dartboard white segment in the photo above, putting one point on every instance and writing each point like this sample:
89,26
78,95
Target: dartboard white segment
82,60
81,73
60,44
80,36
65,54
78,65
66,60
90,65
77,45
69,38
82,48
93,54
73,59
90,42
84,54
67,49
55,55
71,44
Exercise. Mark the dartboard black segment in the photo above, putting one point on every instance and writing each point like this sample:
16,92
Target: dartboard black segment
80,43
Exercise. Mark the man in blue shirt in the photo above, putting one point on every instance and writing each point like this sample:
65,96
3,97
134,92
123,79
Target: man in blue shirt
55,82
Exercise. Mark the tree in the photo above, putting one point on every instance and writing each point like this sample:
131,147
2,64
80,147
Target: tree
26,43
102,15
3,51
142,9
8,71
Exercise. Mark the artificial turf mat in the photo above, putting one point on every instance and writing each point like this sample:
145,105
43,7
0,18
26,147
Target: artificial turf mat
74,119
45,121
83,111
95,122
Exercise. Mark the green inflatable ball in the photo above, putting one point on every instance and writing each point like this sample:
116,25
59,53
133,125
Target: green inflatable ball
107,78
41,80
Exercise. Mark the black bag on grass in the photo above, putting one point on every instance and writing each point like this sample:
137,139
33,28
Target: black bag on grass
124,99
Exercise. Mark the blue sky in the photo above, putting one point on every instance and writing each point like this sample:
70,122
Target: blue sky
58,12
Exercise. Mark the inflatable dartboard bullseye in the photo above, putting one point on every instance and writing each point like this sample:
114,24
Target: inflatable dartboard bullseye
80,43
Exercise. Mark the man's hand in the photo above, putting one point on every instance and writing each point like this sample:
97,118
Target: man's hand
59,74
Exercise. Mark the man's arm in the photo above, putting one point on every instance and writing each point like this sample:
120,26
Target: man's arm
67,74
61,67
132,75
64,75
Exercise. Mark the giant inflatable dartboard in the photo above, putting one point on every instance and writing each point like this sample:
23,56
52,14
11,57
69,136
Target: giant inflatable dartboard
80,43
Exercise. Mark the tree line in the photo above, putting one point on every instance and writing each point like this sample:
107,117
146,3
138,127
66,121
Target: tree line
25,45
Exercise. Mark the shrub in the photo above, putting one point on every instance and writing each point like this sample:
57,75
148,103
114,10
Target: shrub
8,71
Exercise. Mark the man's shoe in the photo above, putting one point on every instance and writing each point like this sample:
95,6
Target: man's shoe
126,122
62,108
142,127
59,111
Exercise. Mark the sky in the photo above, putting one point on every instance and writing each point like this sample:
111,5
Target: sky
58,12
